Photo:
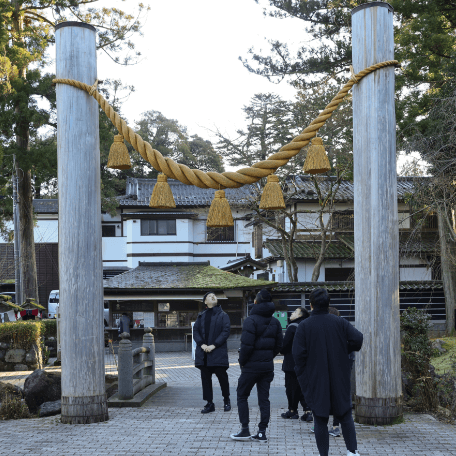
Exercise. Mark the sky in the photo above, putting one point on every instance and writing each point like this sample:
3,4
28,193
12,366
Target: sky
190,68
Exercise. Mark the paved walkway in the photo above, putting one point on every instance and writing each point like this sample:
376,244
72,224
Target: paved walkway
171,423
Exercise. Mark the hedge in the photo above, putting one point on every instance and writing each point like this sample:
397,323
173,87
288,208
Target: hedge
25,334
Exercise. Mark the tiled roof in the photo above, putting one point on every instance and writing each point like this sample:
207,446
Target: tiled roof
425,243
139,191
307,287
243,261
304,249
306,188
200,276
46,206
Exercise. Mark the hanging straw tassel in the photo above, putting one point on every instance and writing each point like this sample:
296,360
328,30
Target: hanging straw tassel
316,160
162,195
219,213
118,154
272,197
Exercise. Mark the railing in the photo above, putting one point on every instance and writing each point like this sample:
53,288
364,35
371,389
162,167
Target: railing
136,367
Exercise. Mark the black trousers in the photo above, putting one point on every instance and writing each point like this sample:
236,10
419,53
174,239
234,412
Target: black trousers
246,382
348,432
293,391
206,381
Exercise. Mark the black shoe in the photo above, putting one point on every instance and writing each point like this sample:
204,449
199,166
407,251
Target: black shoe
227,406
307,417
243,435
260,437
289,414
208,408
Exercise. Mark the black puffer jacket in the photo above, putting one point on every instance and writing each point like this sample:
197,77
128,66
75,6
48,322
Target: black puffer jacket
218,334
261,339
288,361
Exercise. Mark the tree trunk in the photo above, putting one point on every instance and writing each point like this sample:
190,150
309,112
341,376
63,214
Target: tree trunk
27,248
29,281
320,259
448,259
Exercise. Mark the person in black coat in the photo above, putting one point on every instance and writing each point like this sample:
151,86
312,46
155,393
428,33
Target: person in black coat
210,332
292,387
261,341
320,349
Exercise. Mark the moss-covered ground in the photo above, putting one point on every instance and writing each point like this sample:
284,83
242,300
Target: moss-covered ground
443,363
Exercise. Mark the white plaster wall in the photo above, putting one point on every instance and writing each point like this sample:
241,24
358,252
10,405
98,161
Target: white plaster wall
114,251
415,273
46,231
110,218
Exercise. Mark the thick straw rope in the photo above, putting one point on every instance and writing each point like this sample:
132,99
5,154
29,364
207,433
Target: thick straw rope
227,179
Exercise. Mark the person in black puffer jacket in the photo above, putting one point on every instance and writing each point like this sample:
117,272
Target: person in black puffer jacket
292,387
261,341
210,332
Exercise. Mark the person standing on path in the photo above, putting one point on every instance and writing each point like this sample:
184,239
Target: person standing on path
210,332
335,431
292,387
261,342
320,349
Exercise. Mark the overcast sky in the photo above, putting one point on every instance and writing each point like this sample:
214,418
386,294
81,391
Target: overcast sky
190,69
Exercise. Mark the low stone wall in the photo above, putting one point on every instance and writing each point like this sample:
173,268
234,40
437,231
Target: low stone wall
18,359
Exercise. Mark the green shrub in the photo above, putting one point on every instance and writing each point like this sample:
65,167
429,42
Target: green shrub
22,334
13,408
417,355
50,328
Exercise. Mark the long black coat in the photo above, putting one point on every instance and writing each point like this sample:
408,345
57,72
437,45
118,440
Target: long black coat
261,339
218,334
288,361
320,349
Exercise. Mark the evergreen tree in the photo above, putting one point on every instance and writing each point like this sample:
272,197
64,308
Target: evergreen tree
171,139
27,31
425,41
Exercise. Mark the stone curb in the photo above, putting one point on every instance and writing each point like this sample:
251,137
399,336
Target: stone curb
139,399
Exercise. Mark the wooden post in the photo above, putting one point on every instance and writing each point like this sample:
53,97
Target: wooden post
378,364
80,257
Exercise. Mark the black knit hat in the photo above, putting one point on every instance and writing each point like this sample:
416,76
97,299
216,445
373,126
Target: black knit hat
205,296
263,295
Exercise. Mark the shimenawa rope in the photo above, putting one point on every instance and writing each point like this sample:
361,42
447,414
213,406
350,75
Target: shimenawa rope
227,179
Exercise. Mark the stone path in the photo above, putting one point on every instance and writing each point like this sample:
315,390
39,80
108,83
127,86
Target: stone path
171,423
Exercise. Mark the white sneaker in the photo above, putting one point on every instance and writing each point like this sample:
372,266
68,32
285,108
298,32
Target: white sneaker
349,453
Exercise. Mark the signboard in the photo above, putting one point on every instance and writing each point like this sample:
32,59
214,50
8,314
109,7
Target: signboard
149,319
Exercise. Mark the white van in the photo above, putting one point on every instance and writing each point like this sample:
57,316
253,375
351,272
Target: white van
53,302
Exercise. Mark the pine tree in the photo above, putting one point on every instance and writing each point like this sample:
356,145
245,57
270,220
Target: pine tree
27,31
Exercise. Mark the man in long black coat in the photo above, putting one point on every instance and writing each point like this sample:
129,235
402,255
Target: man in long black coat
320,349
261,341
210,332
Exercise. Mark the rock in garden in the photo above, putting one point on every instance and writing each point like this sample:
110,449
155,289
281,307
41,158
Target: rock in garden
41,386
21,367
437,345
10,389
50,408
15,355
